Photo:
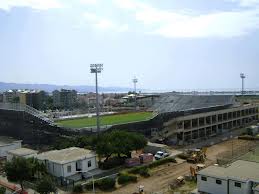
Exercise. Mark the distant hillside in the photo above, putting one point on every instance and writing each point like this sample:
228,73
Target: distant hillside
50,87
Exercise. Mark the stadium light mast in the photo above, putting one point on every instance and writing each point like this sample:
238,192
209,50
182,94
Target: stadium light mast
135,81
242,76
97,68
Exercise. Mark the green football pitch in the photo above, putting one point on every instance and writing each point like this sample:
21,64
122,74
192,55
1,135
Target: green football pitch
105,120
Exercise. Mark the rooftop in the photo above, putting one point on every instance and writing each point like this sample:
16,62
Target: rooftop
170,102
241,170
22,152
66,155
7,140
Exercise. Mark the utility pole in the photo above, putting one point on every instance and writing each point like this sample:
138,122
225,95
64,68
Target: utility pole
97,68
242,76
135,81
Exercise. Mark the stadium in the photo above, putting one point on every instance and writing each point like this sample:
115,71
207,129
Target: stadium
181,118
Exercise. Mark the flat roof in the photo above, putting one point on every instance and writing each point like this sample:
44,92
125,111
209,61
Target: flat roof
156,145
22,152
4,140
238,170
66,155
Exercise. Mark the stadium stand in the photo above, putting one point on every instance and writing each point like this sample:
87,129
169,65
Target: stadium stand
175,103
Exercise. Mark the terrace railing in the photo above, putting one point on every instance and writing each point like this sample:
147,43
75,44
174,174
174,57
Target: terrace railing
25,108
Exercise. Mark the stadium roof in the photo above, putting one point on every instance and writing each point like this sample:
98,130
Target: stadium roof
175,103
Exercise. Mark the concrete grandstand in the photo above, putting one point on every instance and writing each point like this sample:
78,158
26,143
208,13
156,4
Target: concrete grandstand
193,118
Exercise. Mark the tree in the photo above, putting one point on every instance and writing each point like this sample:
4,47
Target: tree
119,142
18,170
139,141
37,168
104,147
46,185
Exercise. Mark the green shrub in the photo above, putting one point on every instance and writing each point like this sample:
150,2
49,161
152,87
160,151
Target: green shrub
106,184
125,178
144,172
161,162
88,186
78,189
137,169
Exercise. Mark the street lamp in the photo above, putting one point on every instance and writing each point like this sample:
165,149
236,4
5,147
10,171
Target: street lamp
97,68
91,174
242,76
135,81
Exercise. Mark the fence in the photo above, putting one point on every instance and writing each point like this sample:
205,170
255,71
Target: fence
25,108
236,152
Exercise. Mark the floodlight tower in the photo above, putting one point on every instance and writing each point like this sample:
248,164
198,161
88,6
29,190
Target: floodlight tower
135,81
97,68
242,76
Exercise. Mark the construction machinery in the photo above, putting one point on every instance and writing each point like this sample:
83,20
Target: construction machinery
195,155
177,182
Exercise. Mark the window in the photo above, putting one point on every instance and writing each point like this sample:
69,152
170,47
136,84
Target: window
219,182
69,168
89,163
237,184
203,178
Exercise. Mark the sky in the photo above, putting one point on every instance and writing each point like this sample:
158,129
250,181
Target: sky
166,44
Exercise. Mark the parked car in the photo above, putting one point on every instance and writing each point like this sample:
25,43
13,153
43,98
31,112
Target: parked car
160,155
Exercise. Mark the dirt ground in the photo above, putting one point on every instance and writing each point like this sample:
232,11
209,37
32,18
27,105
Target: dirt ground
162,176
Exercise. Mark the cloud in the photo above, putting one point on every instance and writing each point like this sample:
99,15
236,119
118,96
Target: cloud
246,3
174,24
88,2
34,4
103,23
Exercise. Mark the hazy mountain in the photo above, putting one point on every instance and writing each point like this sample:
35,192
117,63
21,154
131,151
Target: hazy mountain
49,87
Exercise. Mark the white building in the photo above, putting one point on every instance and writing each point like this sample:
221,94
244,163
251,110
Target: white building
7,144
70,163
240,177
21,152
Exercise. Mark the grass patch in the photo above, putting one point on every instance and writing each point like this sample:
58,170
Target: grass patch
106,120
186,188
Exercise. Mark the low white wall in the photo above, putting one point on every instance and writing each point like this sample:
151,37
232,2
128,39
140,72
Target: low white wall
210,186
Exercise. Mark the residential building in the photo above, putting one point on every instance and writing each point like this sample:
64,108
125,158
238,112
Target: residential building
240,177
35,99
7,144
64,98
11,96
71,163
21,152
